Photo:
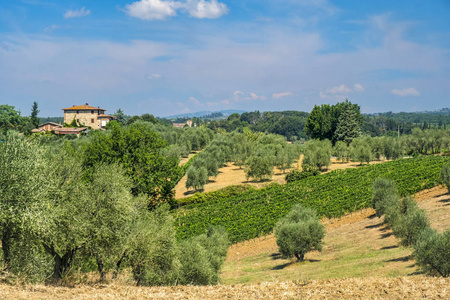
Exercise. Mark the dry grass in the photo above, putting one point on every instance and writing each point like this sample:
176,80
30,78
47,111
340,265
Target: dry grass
418,287
233,175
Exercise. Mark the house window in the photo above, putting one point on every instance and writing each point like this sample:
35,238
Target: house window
92,120
92,112
78,111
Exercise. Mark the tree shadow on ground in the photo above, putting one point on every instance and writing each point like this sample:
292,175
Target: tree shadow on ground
374,226
389,247
282,266
386,235
276,256
191,192
372,216
404,258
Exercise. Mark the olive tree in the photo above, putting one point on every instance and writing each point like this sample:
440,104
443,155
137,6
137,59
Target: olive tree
317,154
299,232
382,189
431,251
23,189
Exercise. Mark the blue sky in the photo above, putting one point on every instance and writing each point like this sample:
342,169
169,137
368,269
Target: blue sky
167,57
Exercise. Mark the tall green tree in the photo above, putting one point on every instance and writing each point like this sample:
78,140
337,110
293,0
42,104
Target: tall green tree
10,118
323,120
34,115
348,127
120,116
137,148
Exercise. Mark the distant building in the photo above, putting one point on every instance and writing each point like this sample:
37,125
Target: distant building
86,115
181,125
47,126
58,129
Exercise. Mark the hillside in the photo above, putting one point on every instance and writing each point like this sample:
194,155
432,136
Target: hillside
356,245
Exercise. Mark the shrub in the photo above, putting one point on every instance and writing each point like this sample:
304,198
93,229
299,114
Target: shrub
445,175
432,251
392,210
299,232
381,190
410,225
296,175
202,257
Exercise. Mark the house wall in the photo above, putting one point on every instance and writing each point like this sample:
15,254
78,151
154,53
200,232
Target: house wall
84,117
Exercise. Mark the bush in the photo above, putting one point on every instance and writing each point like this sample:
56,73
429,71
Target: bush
299,232
445,176
382,189
432,251
411,223
296,175
202,257
392,210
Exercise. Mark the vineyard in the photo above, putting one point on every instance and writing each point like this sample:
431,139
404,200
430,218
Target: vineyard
254,213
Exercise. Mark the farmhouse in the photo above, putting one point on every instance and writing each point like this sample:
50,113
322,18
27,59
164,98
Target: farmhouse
181,125
85,115
47,126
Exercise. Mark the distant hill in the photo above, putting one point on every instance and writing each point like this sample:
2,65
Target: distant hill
200,114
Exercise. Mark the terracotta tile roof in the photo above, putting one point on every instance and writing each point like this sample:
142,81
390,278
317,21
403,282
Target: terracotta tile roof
83,107
69,130
105,116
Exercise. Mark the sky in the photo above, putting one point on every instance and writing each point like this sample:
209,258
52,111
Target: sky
167,57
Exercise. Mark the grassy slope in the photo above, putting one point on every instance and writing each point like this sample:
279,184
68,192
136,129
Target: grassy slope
357,245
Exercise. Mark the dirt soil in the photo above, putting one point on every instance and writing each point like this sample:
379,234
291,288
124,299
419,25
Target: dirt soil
233,175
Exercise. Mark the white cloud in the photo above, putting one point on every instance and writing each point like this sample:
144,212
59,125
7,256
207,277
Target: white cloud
281,95
51,28
342,89
152,9
358,87
194,100
153,76
202,9
77,13
406,92
238,96
161,9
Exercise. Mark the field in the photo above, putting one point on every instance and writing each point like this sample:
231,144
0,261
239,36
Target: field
417,287
360,260
254,213
233,175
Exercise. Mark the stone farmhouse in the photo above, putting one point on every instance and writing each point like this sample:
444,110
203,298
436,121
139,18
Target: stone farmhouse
181,125
88,116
